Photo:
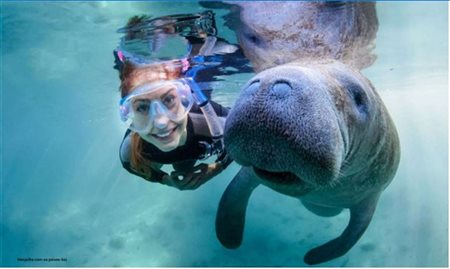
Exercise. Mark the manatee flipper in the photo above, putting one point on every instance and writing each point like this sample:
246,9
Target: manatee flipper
230,219
360,217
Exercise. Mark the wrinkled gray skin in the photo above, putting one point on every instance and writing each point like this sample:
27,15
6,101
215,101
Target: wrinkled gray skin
274,33
308,126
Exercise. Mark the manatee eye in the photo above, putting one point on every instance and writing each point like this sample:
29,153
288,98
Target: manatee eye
335,4
253,39
358,96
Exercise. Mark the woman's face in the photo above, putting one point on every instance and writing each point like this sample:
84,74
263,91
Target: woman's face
164,131
166,134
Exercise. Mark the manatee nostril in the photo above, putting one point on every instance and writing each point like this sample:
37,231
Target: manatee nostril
253,87
281,88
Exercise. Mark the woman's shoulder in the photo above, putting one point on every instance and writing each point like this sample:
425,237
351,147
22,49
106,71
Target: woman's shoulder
220,110
199,124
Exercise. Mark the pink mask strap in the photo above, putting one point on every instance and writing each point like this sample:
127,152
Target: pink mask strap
184,64
120,55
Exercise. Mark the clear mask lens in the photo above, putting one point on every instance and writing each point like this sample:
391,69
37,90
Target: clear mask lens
171,99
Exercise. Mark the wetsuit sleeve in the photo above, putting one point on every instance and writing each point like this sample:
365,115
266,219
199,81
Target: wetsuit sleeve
125,153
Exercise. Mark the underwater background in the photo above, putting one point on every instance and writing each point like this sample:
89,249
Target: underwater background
65,195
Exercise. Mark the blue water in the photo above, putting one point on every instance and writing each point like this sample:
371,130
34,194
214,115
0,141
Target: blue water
64,194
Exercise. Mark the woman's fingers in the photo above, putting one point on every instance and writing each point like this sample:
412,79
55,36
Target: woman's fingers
170,181
193,181
199,175
196,181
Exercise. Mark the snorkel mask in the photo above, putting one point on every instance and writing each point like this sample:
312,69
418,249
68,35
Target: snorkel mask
172,99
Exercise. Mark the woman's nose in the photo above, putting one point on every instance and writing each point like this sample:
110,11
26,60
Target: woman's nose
161,121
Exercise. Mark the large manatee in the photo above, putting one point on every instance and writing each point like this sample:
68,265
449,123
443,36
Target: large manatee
309,125
313,130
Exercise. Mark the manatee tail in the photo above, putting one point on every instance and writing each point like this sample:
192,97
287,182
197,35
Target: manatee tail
230,219
360,217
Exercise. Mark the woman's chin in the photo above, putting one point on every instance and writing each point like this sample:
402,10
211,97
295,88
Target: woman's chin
164,145
167,147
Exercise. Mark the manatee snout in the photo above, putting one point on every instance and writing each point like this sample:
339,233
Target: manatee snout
284,121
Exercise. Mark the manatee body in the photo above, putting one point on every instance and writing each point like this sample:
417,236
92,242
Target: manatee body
309,125
276,32
315,130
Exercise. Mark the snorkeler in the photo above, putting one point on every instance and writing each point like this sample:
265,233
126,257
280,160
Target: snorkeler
166,126
169,118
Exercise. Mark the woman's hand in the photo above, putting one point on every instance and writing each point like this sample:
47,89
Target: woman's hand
193,179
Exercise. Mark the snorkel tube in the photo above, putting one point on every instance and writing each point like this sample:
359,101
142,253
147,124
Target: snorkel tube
214,124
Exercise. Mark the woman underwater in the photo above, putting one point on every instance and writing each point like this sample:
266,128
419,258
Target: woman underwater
166,119
166,127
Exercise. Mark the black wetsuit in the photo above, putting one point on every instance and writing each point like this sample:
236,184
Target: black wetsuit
182,158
